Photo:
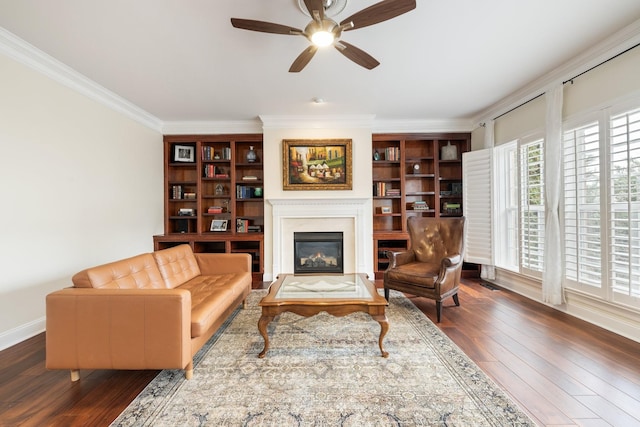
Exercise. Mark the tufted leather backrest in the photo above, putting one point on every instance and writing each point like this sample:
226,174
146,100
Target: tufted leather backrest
137,272
435,238
177,265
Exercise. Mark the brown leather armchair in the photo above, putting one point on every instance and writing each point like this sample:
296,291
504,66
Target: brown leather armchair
432,266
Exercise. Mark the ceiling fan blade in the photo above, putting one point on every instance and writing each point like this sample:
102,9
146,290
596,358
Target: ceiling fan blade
377,13
264,27
315,8
303,59
357,55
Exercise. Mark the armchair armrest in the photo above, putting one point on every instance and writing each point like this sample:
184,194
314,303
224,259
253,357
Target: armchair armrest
451,261
450,268
400,258
118,329
221,263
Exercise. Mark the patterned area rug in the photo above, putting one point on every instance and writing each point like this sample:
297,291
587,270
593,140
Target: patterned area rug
326,371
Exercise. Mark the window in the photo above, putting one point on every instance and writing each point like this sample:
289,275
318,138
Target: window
507,206
532,207
624,204
582,205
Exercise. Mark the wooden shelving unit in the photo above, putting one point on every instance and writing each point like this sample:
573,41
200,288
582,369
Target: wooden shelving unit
410,178
214,182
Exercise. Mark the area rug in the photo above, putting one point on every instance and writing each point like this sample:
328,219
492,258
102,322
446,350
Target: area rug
326,371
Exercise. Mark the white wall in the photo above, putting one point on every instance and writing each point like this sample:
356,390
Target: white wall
357,128
81,185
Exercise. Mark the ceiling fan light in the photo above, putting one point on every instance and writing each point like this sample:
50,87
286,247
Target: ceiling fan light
322,38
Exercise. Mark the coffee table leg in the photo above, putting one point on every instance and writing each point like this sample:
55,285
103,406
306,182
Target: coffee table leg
262,327
384,327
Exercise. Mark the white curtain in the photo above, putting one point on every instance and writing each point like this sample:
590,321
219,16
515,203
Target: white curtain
552,292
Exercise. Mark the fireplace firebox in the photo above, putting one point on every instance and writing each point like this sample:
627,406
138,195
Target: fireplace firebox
318,252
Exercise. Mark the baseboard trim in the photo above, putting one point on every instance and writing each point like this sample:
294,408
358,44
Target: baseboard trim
612,317
21,333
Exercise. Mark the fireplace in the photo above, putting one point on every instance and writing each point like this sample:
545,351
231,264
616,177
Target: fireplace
318,252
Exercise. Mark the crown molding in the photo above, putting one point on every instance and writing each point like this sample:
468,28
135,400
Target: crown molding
27,54
619,42
421,126
317,122
211,127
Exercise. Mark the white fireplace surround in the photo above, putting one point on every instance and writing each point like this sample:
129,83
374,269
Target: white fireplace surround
350,216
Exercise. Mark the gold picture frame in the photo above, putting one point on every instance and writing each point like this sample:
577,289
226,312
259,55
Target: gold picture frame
317,164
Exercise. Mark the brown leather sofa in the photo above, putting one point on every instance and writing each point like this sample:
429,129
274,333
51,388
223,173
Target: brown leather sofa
150,311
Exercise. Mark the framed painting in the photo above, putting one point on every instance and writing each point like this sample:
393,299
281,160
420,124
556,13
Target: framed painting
317,164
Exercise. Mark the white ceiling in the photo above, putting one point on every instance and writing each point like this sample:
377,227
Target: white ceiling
181,60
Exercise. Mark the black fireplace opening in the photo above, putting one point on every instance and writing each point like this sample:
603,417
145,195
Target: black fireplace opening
318,252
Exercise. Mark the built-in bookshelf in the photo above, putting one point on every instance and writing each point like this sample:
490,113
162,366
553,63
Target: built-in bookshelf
213,194
413,175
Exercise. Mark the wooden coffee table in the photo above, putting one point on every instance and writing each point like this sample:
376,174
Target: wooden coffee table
337,294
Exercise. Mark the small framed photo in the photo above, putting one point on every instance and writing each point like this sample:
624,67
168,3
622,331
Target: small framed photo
385,209
184,153
219,225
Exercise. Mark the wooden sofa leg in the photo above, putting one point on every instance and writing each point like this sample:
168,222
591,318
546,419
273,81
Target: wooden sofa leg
244,303
188,371
438,310
75,375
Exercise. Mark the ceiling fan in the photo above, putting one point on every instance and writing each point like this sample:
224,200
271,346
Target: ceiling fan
323,31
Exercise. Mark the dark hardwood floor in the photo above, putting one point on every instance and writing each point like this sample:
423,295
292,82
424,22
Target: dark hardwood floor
562,371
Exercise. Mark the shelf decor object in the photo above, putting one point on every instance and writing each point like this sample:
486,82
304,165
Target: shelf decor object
449,152
318,164
251,155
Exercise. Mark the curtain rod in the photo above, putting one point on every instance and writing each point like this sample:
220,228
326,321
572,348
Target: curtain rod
518,106
570,80
597,65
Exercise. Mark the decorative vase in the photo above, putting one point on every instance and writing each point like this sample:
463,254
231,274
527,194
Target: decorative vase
449,152
251,155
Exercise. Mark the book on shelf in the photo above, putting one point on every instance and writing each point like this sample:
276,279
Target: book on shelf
209,153
189,195
243,192
214,209
176,192
392,154
212,171
249,178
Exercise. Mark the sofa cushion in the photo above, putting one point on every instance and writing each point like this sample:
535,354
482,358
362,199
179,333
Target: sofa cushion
177,265
138,272
211,295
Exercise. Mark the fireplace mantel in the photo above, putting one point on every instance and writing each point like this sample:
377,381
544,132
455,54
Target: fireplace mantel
351,216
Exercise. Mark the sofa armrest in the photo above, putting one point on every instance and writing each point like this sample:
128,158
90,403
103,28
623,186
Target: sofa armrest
400,258
118,329
222,263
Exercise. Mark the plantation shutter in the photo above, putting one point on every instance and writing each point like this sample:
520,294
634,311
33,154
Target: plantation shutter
532,226
624,204
582,219
477,178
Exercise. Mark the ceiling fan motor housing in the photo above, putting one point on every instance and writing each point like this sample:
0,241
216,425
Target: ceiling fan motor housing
331,7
